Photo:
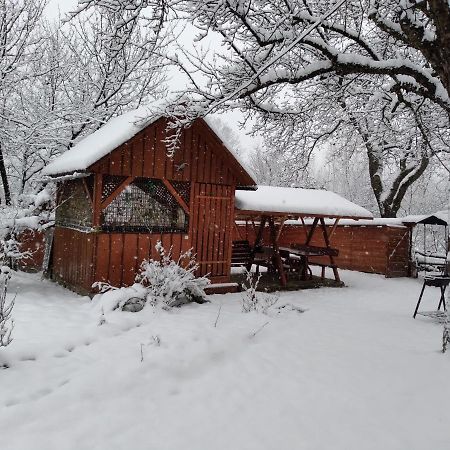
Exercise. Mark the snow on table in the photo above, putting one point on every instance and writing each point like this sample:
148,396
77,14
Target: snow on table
354,371
306,202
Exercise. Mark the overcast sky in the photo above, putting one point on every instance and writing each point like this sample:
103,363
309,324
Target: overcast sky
61,7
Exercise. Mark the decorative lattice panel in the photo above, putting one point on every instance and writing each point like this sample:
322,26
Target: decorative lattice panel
110,184
74,208
90,185
145,206
184,190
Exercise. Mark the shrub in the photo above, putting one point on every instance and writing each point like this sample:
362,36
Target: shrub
254,300
6,323
171,282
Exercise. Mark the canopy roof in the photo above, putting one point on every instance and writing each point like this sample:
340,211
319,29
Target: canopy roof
297,202
437,218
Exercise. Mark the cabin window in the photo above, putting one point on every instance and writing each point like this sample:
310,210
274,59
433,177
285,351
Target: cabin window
74,204
145,205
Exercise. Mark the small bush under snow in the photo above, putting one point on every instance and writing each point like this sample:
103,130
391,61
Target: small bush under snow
253,300
6,322
165,282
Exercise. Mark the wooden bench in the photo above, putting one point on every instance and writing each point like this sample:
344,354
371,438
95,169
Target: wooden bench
241,253
311,250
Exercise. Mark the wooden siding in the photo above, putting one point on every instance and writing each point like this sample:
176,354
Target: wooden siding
119,255
212,221
201,157
33,242
73,258
373,249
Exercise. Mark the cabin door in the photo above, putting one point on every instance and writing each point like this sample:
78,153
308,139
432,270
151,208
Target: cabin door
212,219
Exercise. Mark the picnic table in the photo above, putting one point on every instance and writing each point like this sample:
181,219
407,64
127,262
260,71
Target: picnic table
295,257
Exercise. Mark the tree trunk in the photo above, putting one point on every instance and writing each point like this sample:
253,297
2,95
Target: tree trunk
4,177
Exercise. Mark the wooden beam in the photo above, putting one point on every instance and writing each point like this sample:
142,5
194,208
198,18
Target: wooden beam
327,243
276,252
117,191
177,196
336,223
304,227
282,220
258,238
97,206
237,231
311,231
86,188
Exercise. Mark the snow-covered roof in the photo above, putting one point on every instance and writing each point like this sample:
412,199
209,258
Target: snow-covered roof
297,201
375,222
111,135
103,141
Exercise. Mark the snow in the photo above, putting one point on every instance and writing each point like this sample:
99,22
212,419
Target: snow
305,202
354,371
213,122
98,144
375,222
114,133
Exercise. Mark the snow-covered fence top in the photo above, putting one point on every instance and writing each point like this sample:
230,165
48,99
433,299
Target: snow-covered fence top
297,201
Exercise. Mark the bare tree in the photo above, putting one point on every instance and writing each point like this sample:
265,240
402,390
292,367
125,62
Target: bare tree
18,21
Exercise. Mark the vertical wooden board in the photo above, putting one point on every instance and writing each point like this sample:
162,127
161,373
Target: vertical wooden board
207,161
215,217
92,244
83,266
160,154
201,159
166,241
143,248
198,231
136,158
207,230
187,155
194,155
115,265
168,161
176,243
126,159
129,263
154,238
115,162
148,138
178,160
102,258
229,242
193,219
186,243
222,229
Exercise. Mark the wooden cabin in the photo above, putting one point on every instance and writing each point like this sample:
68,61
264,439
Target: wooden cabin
119,193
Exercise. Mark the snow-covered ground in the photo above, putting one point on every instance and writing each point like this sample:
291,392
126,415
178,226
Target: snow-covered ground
354,371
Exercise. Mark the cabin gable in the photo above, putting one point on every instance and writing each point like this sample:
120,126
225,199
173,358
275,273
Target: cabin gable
201,157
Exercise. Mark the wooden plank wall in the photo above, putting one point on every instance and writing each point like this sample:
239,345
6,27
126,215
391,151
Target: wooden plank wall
119,255
200,158
73,253
34,242
377,249
211,229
